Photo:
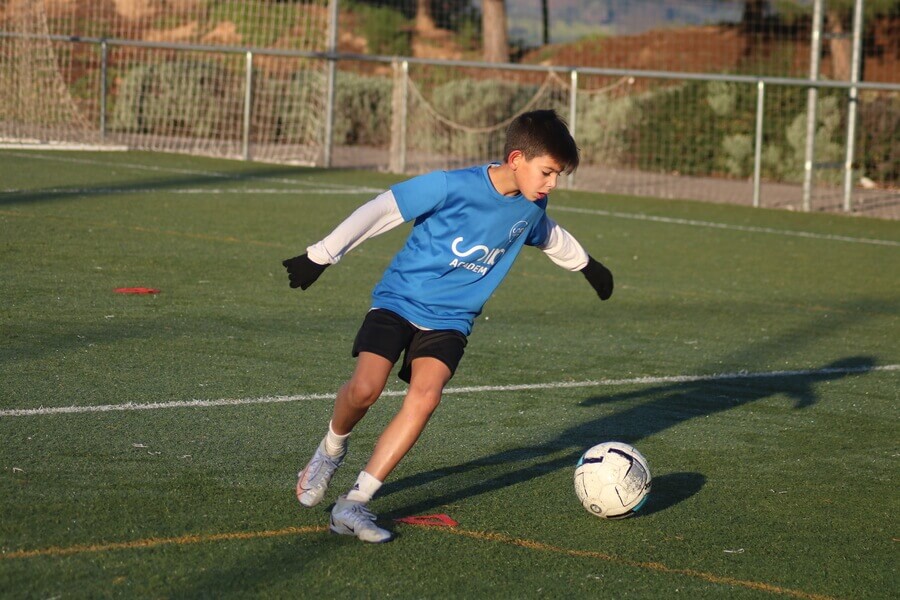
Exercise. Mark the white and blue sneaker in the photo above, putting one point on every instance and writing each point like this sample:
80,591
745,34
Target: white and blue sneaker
351,517
312,482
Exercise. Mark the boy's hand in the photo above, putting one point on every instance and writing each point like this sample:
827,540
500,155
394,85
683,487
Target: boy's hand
599,277
302,271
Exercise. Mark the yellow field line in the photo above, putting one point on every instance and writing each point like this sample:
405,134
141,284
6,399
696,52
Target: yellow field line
154,542
652,566
486,536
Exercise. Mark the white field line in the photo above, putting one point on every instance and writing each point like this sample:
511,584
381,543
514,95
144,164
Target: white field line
597,212
714,225
38,145
129,406
211,191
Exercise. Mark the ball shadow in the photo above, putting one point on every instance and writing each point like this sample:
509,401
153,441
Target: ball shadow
669,490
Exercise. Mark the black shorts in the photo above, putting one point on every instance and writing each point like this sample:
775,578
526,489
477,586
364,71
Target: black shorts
387,334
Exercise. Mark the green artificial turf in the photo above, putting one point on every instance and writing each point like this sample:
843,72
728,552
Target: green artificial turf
774,481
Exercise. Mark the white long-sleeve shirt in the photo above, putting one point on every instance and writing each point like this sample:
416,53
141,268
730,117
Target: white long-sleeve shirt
382,214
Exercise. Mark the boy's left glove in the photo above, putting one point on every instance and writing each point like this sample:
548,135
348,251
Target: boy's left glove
302,271
599,277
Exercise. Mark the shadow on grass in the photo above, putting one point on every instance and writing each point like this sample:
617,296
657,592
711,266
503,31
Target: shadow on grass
651,410
671,489
666,406
175,180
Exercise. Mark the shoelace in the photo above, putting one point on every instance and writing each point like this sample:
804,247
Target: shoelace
315,465
361,514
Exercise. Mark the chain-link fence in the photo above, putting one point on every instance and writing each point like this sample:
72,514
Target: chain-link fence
690,99
170,76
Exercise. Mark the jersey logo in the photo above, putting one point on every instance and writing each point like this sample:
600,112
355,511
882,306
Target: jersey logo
483,258
480,257
467,253
517,230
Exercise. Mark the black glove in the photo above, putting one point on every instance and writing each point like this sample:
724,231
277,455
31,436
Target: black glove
302,271
599,277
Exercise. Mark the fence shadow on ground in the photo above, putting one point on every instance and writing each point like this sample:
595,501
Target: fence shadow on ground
174,181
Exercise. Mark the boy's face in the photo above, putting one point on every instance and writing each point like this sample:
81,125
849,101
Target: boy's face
535,178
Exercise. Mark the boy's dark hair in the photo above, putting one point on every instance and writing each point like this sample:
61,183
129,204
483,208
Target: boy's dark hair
539,133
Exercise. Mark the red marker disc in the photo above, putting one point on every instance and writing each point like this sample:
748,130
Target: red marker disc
136,290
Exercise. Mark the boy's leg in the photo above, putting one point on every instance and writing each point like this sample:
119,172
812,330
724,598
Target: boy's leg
353,400
350,515
430,361
360,392
427,381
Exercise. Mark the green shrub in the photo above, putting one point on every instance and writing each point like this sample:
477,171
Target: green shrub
475,104
675,130
879,129
707,128
386,30
362,110
602,122
602,126
261,25
737,153
722,97
285,114
827,150
174,98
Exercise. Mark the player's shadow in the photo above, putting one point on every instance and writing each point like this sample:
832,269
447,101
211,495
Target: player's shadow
665,406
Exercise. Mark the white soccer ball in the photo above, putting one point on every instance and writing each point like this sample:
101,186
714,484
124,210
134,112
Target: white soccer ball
612,480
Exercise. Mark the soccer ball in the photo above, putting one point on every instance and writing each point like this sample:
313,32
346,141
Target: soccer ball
612,480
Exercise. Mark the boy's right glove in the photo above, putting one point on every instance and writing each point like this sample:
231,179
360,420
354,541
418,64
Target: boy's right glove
599,277
302,271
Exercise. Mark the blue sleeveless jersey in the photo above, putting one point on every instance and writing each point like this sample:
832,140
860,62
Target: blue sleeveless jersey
464,241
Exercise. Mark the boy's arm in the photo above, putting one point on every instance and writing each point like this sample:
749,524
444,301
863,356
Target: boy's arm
564,250
372,218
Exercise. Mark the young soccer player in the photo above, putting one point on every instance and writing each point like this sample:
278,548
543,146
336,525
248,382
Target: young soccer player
470,225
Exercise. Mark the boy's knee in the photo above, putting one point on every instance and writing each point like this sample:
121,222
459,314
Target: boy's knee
424,399
362,394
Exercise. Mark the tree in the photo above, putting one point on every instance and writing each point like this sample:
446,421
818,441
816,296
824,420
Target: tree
753,26
545,18
839,43
424,19
839,25
752,17
495,39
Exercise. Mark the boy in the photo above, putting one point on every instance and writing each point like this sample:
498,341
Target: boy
470,225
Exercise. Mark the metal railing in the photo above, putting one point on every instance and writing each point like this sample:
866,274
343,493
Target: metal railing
333,57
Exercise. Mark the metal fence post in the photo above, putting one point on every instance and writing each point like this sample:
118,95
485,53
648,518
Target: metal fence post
852,106
248,107
811,99
399,117
757,153
331,82
404,107
148,139
573,113
104,60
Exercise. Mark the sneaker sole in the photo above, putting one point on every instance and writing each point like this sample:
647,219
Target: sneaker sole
345,531
307,502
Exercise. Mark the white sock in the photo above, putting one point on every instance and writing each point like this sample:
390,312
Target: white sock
335,445
364,489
